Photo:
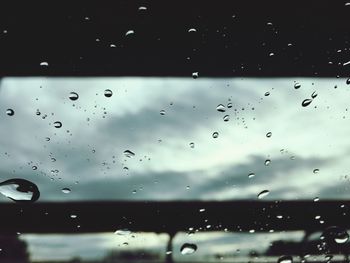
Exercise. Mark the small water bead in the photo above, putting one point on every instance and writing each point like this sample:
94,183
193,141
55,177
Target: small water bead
335,235
221,108
306,102
267,162
215,135
142,8
226,118
73,96
162,112
108,93
57,124
192,145
263,194
20,190
10,112
128,153
66,190
37,112
47,139
251,175
342,238
192,30
73,216
267,93
122,232
269,134
195,75
229,105
316,171
34,167
129,32
316,199
348,81
44,64
285,259
187,249
314,95
297,85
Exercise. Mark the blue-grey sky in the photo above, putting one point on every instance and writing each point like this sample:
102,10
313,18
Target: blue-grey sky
96,130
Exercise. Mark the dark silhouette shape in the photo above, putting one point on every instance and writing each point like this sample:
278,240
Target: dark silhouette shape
233,38
13,250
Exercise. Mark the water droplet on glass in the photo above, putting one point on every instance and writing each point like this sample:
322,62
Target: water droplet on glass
122,232
47,139
20,190
226,118
34,167
57,124
10,112
269,134
263,193
129,153
192,30
162,112
267,162
221,108
73,216
306,102
348,81
66,190
316,171
285,259
192,145
215,135
341,239
267,93
229,105
142,8
187,249
73,96
314,95
316,199
195,75
297,85
44,64
108,93
251,175
335,236
129,32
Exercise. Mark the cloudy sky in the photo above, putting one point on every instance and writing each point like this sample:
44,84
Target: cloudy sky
158,119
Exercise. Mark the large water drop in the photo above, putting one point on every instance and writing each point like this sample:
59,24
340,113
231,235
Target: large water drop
20,190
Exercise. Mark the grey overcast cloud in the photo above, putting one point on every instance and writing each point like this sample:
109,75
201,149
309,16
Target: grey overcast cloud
168,124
